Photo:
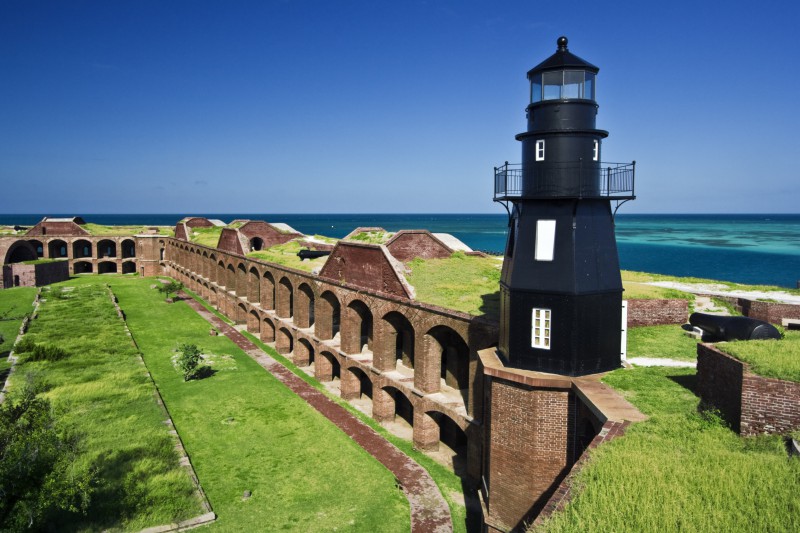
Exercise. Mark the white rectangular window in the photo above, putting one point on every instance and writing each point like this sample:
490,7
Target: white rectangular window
540,150
540,328
596,154
545,240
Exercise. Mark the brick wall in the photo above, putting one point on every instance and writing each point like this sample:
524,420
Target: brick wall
751,404
408,244
229,241
771,312
35,275
367,266
56,228
656,312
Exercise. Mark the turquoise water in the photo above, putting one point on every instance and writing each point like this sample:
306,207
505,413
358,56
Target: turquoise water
761,249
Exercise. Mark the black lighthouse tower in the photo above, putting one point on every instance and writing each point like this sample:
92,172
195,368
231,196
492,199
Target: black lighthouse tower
561,290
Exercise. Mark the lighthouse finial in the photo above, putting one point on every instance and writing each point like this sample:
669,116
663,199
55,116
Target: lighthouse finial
562,44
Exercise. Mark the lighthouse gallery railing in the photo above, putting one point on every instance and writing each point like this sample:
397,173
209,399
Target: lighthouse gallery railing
613,181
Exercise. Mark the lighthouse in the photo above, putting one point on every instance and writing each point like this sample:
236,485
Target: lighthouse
560,288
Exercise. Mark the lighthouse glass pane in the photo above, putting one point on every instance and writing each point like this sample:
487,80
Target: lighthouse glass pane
540,330
552,84
589,90
536,88
545,240
573,84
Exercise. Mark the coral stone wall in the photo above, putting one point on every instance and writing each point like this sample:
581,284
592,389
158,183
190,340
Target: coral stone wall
656,312
751,404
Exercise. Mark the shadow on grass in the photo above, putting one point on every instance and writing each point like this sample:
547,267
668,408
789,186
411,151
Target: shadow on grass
688,382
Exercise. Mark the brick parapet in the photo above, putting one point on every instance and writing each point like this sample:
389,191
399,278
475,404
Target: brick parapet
657,312
772,312
751,404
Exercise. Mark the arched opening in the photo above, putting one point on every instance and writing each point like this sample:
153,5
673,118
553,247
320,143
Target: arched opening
220,276
449,441
230,281
400,339
16,280
106,267
253,323
285,305
304,308
81,248
449,349
82,267
106,248
391,405
212,296
256,244
241,314
284,342
241,280
57,248
128,248
254,286
20,251
303,352
268,331
129,267
267,291
38,246
355,384
357,330
329,317
326,367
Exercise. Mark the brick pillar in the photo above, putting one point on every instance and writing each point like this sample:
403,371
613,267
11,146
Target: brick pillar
267,293
302,317
383,355
323,369
301,354
382,405
350,385
427,364
283,342
283,305
426,431
323,323
267,331
351,331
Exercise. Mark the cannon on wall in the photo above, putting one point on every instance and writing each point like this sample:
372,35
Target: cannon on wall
312,254
733,328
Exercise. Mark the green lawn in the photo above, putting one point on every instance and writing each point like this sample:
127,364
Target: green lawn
14,305
245,431
123,231
635,290
681,470
630,275
286,255
102,392
372,237
205,236
462,282
769,358
666,341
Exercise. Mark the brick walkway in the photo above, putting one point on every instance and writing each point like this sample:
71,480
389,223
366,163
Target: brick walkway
429,511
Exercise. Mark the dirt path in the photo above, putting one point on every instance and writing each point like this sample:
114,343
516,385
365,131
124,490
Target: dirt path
429,510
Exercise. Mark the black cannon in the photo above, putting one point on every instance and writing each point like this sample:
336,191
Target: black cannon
312,254
733,328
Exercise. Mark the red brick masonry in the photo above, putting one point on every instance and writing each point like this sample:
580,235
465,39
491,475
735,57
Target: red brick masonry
750,404
657,312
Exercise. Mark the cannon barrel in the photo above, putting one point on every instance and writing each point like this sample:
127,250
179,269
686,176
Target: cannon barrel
312,254
734,328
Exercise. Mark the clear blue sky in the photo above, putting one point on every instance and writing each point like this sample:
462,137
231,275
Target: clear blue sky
371,106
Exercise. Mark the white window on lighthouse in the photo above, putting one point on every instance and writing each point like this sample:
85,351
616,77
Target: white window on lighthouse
545,240
540,150
596,154
540,328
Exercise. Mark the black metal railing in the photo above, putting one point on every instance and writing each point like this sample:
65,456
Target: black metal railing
577,179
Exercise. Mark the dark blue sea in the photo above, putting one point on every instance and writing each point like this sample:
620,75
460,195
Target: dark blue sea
759,249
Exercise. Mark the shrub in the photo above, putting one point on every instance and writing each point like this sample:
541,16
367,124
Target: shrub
189,363
47,352
25,344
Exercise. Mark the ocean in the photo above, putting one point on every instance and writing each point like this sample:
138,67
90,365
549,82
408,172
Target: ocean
757,249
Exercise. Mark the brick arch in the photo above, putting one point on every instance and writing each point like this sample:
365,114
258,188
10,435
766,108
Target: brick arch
253,323
254,285
268,330
355,382
329,316
303,352
19,251
127,248
240,314
305,300
82,249
221,273
284,341
268,289
327,366
397,341
447,350
38,246
241,280
230,278
57,248
433,426
388,402
284,307
357,327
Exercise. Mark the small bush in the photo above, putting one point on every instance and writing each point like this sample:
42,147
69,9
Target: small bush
189,363
47,352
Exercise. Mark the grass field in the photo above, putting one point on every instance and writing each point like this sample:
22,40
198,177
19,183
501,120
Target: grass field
666,341
14,305
769,358
102,392
631,275
100,230
245,431
681,470
286,255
